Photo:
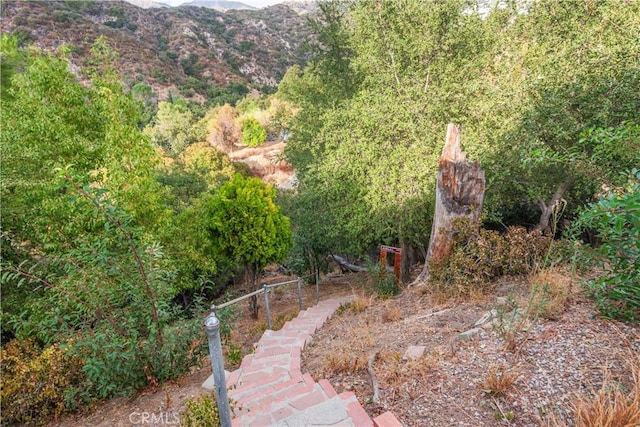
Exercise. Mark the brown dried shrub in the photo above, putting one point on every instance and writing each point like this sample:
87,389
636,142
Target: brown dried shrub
38,384
480,256
612,406
499,381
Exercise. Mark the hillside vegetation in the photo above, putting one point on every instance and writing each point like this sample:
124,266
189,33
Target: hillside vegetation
124,214
186,50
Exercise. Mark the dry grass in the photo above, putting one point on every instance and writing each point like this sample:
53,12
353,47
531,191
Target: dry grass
344,362
612,405
499,381
281,319
361,303
352,356
550,290
407,377
391,313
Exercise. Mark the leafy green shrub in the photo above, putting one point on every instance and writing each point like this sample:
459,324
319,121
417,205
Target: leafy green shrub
616,218
480,256
201,411
234,354
384,283
253,134
123,327
38,384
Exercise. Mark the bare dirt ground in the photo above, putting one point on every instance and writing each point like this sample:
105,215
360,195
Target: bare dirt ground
266,161
552,364
455,383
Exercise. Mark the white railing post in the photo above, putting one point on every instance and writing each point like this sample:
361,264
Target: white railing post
266,305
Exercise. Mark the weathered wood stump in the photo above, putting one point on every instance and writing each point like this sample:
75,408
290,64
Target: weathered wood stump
459,193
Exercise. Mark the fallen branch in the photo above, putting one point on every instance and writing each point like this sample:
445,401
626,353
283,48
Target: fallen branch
424,316
374,379
346,264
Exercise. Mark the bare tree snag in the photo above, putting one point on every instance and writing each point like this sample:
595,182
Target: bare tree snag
374,380
459,193
547,209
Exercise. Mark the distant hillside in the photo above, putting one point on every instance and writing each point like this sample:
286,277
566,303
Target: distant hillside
147,4
222,5
185,49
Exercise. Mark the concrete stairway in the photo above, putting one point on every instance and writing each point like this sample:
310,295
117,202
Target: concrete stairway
270,389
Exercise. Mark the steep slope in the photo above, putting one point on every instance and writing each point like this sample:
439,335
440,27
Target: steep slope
221,5
183,49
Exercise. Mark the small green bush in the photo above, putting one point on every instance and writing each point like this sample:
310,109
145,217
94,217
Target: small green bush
201,411
253,134
384,283
120,365
616,218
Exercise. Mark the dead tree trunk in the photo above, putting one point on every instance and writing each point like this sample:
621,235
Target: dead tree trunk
459,193
547,209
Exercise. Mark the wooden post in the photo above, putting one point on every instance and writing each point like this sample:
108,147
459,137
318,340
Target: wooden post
397,260
459,193
396,265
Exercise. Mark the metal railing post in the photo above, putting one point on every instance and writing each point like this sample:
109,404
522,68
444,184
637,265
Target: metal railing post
212,326
266,305
300,293
317,287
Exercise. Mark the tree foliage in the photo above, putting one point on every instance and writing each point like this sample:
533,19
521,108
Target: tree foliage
82,214
253,134
529,83
369,158
245,225
174,128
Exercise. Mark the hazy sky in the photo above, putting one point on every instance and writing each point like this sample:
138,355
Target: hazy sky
255,3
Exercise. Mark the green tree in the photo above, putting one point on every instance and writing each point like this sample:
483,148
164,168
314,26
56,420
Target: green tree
246,225
561,69
81,212
370,158
253,134
11,60
144,94
174,128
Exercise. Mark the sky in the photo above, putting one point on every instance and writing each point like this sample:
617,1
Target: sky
255,3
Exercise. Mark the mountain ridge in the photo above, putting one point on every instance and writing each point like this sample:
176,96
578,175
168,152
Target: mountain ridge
182,49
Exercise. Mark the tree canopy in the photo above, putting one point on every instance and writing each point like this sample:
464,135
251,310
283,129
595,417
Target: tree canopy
528,83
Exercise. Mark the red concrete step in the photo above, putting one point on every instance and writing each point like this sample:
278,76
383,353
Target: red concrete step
271,391
264,400
386,420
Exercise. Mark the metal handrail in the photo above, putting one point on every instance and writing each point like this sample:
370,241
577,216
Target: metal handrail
212,328
233,301
265,291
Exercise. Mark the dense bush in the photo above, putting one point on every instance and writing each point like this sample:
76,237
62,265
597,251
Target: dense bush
616,219
201,412
253,134
36,383
480,256
384,283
